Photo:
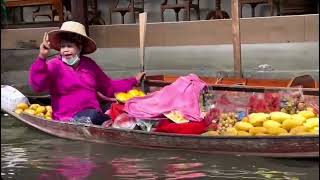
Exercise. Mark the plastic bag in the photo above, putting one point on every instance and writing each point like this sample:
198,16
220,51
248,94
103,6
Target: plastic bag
82,120
11,97
124,121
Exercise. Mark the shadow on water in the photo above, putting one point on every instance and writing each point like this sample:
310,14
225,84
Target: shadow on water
29,154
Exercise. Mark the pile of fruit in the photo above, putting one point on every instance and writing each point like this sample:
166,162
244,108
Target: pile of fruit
305,122
124,97
35,109
227,120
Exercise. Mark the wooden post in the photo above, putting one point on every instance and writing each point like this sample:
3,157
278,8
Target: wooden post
236,41
79,12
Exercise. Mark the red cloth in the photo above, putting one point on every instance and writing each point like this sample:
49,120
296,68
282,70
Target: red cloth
184,128
115,110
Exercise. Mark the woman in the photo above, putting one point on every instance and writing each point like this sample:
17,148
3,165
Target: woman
73,80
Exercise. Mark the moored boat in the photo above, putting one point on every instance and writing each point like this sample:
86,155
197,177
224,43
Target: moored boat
265,146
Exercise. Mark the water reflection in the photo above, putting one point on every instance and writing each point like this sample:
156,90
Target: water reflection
35,155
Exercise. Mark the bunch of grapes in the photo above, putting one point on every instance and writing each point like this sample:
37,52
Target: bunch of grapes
293,103
227,120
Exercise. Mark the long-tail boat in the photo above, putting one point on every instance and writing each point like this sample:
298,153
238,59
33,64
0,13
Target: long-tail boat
265,146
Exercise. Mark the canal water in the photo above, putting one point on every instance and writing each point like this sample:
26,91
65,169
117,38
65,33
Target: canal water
29,154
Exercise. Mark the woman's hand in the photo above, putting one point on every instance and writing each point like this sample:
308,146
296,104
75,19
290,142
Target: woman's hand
44,47
140,76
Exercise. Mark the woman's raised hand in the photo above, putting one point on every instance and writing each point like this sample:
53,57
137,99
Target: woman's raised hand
44,47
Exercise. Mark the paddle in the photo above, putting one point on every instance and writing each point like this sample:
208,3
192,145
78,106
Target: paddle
142,32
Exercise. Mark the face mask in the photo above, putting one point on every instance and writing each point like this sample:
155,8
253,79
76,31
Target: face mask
71,61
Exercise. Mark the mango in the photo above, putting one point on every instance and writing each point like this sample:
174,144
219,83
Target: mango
230,132
22,106
243,126
40,109
279,116
305,133
40,114
257,119
297,130
34,106
134,92
314,130
141,93
307,114
210,133
312,122
245,119
298,117
288,124
48,108
276,130
257,130
262,134
30,111
48,117
18,111
271,124
284,134
243,133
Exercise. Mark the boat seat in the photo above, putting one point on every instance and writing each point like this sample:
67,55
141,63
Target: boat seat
133,6
177,6
305,81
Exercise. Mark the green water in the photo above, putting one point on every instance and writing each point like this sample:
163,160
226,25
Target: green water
28,154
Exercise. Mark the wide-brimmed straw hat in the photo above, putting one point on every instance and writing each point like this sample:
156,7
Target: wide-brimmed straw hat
88,44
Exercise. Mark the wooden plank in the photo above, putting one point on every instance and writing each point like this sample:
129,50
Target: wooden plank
236,41
79,10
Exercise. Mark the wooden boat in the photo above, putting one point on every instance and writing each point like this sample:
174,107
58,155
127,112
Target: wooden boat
264,146
304,81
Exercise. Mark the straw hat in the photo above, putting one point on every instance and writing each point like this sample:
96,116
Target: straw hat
88,44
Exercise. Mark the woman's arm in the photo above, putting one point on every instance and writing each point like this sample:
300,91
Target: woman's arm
39,75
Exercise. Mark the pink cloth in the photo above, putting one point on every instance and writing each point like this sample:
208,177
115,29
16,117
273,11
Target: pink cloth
74,89
182,95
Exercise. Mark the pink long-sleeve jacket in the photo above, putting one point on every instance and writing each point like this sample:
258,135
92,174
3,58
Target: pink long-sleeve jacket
74,89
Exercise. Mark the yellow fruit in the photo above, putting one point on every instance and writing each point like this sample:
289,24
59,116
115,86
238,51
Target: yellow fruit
243,126
40,114
312,122
34,106
298,129
40,109
49,108
314,130
305,133
276,130
29,111
18,111
307,114
257,130
284,134
22,106
141,93
243,133
48,113
288,124
271,124
122,97
230,132
262,134
245,119
298,117
257,119
48,117
211,133
279,116
134,92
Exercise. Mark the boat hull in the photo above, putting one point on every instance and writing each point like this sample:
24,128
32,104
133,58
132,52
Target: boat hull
265,146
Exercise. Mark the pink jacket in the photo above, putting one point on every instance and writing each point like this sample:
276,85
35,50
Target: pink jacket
73,90
182,95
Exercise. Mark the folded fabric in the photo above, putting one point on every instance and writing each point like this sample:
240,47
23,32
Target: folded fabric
182,95
183,128
115,110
